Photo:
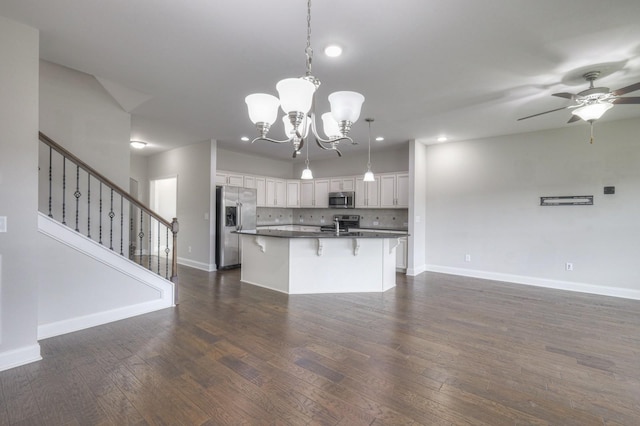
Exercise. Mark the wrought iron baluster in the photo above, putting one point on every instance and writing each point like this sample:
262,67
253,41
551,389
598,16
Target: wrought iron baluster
111,216
140,236
100,236
158,237
149,260
121,224
64,188
166,260
88,205
77,194
50,173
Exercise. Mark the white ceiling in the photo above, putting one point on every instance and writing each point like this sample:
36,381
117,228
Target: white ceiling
464,68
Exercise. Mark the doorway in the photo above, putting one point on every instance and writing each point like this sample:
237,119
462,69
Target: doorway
163,199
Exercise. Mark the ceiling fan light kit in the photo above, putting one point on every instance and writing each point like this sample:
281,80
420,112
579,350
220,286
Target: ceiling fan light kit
297,100
591,104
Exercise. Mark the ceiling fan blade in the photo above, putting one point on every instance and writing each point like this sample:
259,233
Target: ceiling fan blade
573,119
565,95
630,100
627,89
541,113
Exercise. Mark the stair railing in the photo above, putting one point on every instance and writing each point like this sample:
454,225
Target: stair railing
83,199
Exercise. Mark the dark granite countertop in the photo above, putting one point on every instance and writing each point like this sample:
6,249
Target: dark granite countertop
326,234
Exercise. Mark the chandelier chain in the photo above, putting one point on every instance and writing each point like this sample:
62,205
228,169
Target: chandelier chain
309,50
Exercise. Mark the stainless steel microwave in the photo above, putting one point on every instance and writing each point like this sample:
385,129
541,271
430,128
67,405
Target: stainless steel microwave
342,200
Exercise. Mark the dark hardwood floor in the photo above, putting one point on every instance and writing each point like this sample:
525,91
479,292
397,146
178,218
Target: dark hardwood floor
437,349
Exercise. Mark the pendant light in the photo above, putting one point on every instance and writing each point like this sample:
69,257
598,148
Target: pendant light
306,173
368,176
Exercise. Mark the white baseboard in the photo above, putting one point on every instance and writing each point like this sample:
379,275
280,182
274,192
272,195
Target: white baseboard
624,293
412,272
21,356
197,265
87,321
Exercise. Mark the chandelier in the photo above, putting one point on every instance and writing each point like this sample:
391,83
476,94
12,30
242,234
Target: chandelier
297,100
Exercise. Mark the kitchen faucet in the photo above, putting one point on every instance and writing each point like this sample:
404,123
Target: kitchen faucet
337,222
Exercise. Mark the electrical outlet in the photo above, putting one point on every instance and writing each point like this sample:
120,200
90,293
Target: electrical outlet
277,220
321,220
301,220
3,224
467,258
375,223
206,216
568,266
189,249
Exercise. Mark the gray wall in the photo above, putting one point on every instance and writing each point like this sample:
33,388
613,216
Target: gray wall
19,258
192,165
80,115
389,160
251,164
483,199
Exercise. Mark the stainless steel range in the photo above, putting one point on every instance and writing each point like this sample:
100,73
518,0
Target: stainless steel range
345,222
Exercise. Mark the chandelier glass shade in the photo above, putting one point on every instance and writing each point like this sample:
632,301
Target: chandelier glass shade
592,111
296,98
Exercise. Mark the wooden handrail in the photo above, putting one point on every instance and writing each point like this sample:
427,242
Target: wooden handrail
93,172
171,226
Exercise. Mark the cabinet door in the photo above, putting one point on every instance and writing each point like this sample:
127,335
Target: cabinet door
402,190
270,192
306,193
235,180
261,189
361,196
401,254
293,193
387,190
373,193
321,193
281,193
335,185
348,184
250,182
221,178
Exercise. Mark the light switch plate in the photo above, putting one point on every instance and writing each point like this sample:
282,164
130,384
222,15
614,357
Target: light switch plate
3,224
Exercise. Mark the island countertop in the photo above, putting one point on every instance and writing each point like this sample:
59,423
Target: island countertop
325,234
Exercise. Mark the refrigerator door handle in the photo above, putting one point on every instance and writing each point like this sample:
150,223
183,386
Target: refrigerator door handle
239,227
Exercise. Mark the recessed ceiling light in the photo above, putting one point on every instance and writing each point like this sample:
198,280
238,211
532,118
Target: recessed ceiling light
138,144
379,138
442,139
244,139
333,50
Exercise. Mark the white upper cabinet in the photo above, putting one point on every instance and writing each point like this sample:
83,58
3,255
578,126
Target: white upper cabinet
321,192
390,190
293,193
367,193
342,184
314,193
276,195
394,190
226,178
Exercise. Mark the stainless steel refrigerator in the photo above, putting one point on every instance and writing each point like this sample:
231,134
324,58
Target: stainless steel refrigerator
235,210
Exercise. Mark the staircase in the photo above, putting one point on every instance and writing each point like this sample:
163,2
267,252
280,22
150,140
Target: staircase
121,242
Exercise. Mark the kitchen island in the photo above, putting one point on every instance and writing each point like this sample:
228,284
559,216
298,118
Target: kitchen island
297,262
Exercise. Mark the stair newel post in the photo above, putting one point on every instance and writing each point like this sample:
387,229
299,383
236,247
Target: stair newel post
174,260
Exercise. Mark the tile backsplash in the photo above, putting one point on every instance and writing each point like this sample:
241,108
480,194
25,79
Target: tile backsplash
370,218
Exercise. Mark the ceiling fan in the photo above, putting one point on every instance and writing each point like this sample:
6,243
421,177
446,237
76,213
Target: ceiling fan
592,103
